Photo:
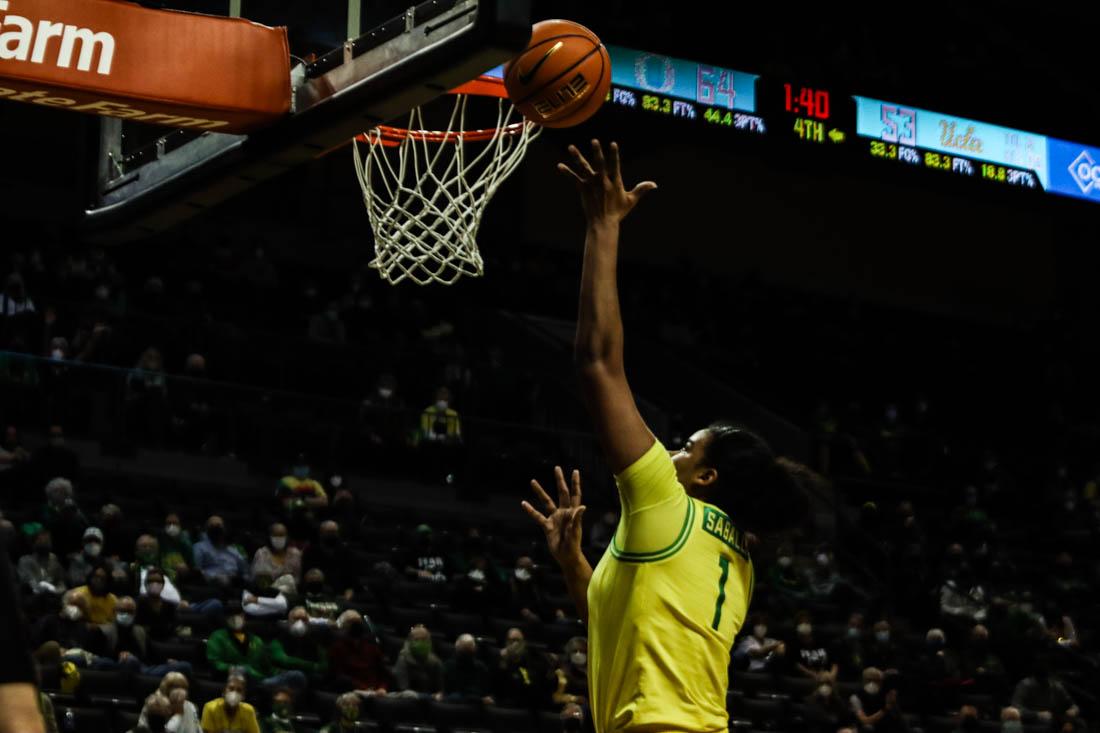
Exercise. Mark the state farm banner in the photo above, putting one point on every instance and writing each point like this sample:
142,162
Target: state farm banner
119,59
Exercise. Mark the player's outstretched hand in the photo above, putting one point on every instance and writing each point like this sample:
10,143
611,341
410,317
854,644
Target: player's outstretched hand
600,182
562,521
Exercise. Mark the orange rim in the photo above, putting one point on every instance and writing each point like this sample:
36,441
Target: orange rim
483,86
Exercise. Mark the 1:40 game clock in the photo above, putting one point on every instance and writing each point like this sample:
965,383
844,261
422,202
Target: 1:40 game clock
806,101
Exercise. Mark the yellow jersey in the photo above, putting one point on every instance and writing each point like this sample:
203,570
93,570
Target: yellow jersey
217,719
664,605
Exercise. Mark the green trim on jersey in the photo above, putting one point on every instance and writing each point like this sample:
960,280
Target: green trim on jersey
676,546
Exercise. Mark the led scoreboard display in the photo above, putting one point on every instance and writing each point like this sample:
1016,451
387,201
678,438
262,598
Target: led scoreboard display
687,90
712,96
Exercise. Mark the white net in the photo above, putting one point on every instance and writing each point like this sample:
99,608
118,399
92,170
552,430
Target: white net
426,191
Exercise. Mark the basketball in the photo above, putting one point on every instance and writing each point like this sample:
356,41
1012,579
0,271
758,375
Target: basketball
563,76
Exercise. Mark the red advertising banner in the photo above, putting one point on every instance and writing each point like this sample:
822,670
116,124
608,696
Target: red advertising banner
119,59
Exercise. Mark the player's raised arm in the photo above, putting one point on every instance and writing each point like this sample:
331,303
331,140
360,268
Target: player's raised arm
598,350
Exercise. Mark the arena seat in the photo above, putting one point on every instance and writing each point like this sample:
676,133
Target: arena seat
455,623
751,682
144,685
126,720
510,720
766,714
397,714
322,703
405,617
549,722
456,717
984,703
85,720
183,651
798,687
103,687
203,691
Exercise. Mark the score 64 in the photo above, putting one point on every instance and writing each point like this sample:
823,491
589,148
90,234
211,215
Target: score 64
712,83
899,125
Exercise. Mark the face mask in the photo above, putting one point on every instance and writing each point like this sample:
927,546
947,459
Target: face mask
1012,726
523,574
299,628
154,589
579,659
232,698
784,562
420,649
124,619
57,355
72,613
333,315
804,629
882,636
823,560
236,623
301,472
871,688
441,404
278,543
825,690
92,549
172,530
281,711
477,575
385,392
853,632
760,631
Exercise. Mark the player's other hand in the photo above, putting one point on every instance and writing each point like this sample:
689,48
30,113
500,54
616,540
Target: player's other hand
600,182
562,521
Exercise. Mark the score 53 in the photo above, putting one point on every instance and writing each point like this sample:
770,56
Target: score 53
899,125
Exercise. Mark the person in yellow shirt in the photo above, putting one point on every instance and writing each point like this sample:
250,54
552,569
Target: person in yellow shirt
673,588
99,608
230,713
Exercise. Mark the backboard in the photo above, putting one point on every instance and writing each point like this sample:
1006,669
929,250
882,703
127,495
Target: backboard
150,178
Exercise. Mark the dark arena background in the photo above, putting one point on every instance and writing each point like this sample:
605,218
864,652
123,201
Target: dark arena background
873,242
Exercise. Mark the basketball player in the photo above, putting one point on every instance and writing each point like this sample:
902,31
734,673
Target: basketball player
673,588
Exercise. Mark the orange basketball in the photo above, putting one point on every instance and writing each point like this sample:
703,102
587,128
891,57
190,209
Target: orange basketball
563,76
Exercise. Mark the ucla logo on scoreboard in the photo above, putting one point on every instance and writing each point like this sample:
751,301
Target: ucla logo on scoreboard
1085,172
1074,169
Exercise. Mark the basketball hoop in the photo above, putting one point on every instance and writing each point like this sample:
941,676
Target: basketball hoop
426,190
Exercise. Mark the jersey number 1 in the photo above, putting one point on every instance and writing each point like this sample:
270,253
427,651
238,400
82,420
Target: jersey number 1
725,563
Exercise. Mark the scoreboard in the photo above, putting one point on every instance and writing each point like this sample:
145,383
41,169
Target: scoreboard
901,135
